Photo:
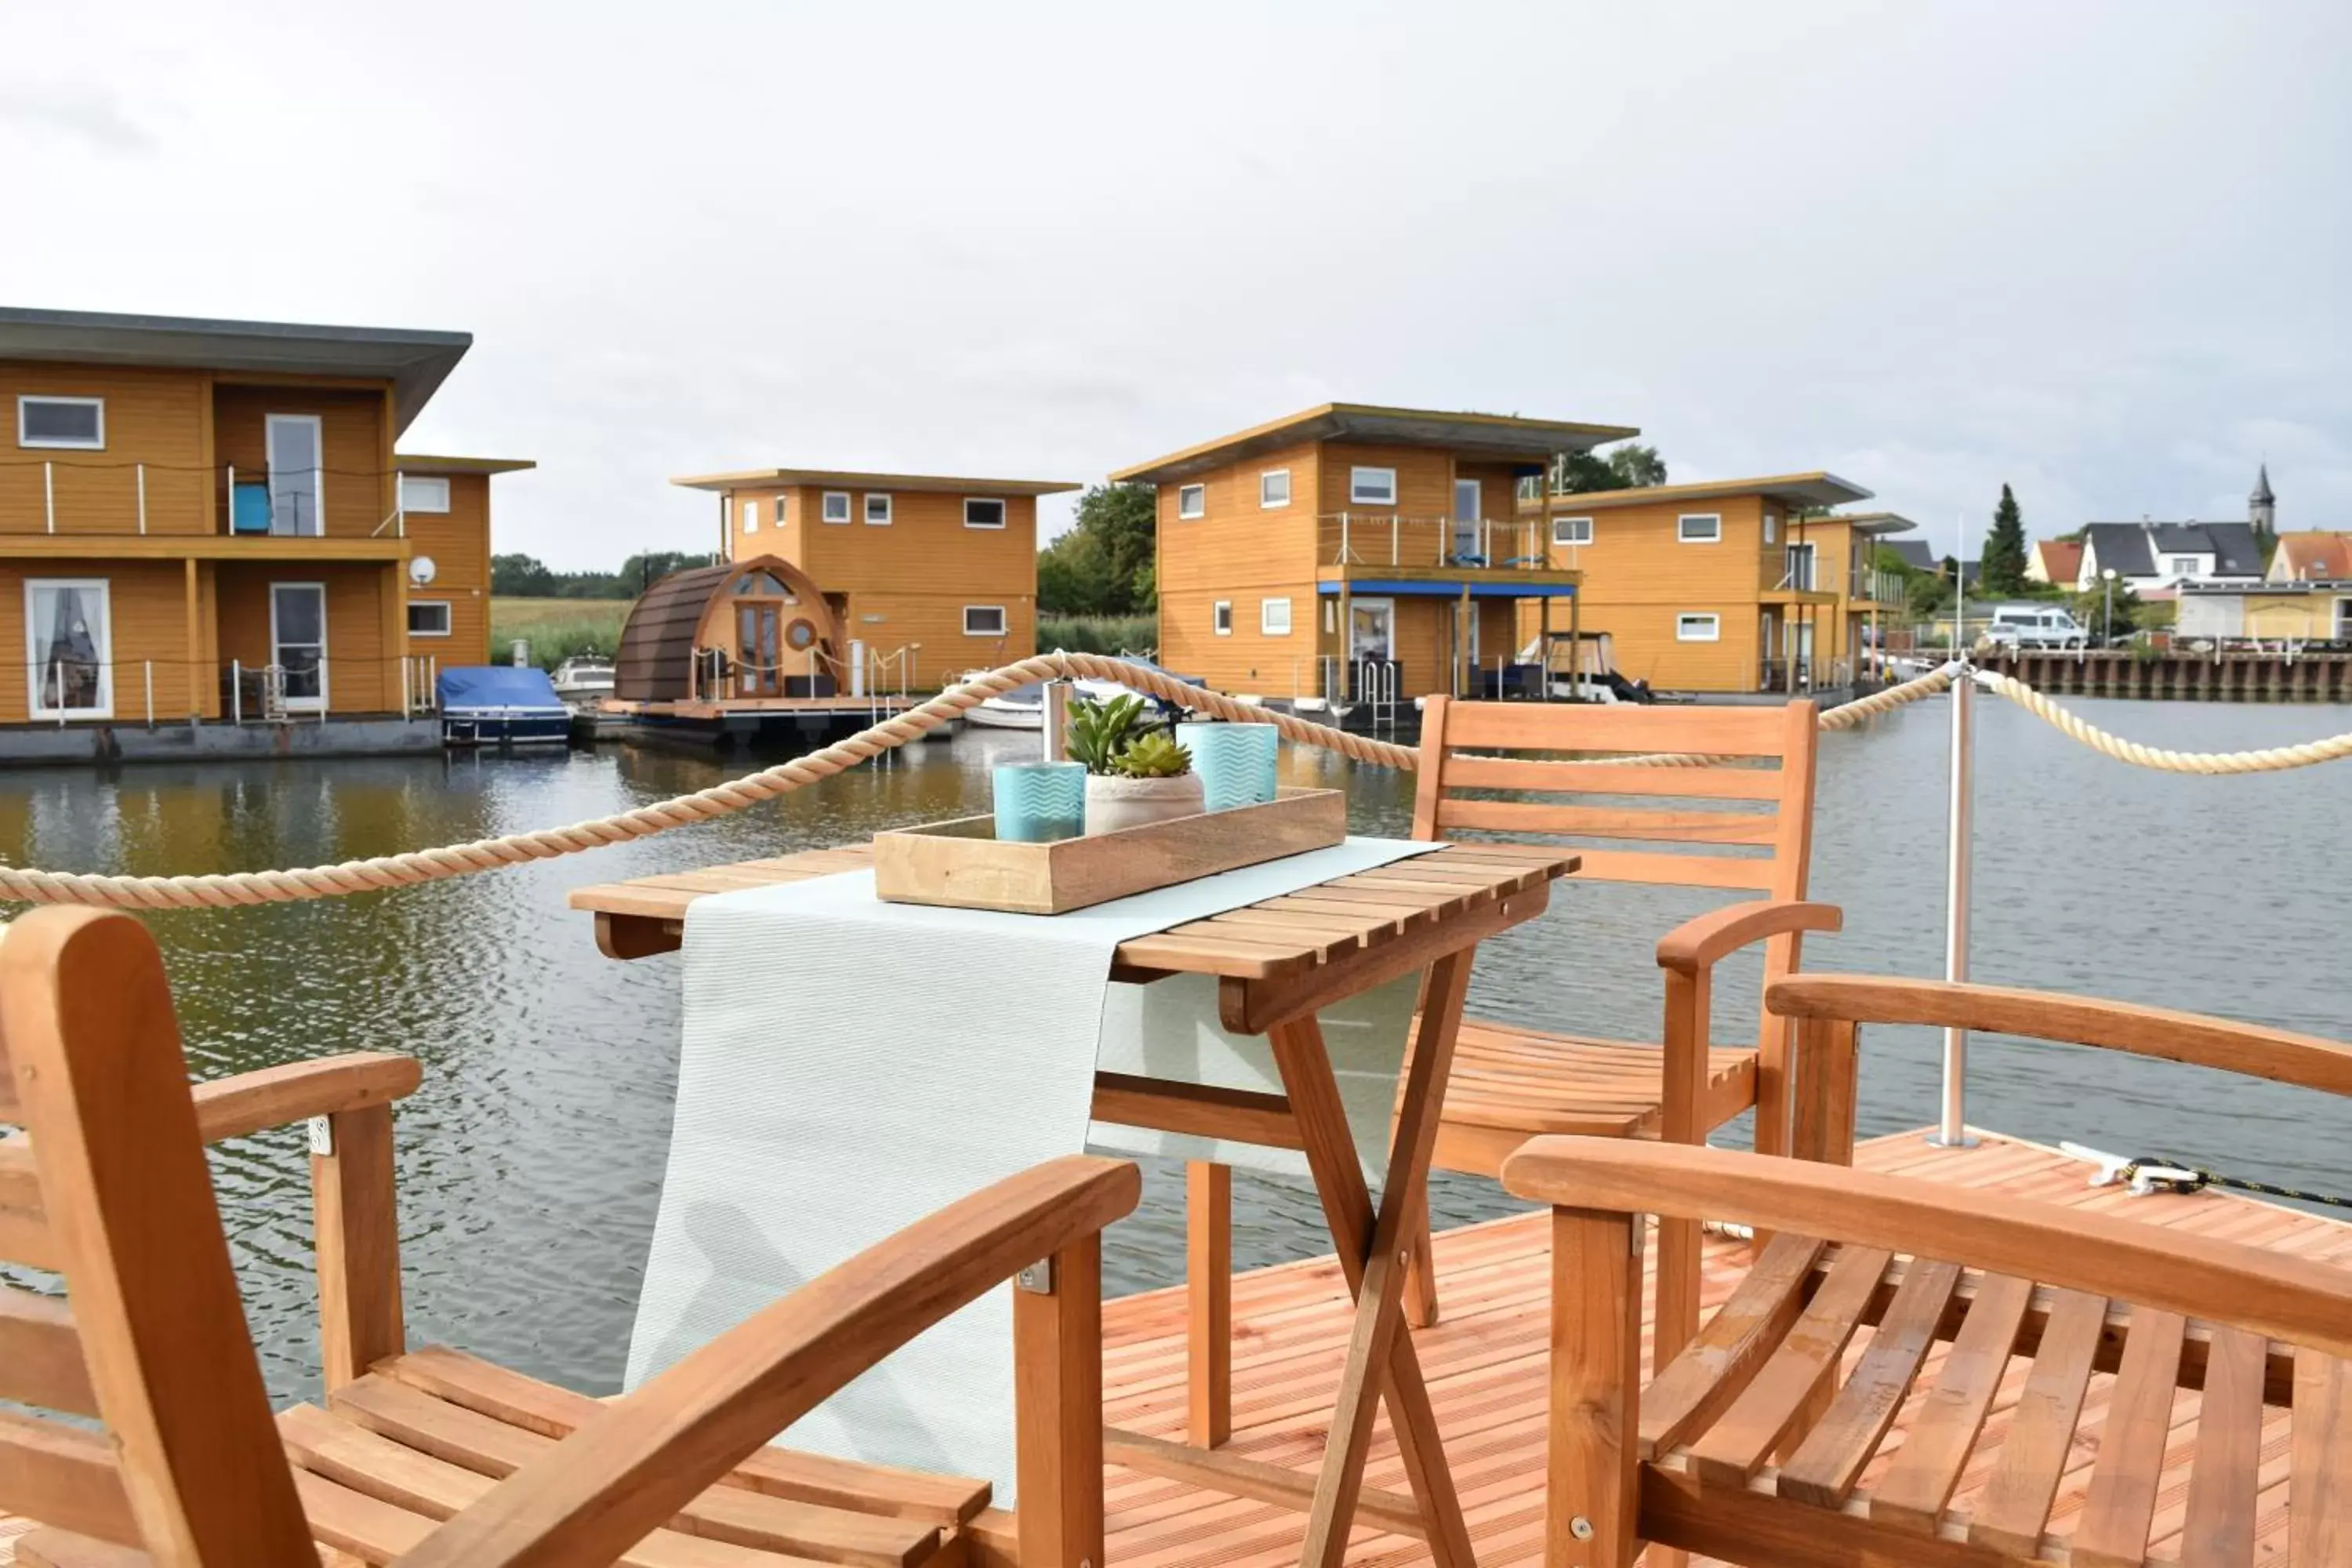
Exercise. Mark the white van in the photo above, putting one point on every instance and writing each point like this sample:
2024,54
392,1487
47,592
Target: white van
2035,626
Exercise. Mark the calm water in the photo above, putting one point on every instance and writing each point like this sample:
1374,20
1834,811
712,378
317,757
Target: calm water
530,1161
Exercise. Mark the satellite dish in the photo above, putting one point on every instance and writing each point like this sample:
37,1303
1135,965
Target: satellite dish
420,571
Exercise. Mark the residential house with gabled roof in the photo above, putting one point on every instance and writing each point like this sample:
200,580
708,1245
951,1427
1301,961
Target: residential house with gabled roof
2156,558
2057,562
2313,557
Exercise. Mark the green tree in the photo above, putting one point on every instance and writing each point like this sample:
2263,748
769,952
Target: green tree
2090,607
1625,468
1103,565
2002,574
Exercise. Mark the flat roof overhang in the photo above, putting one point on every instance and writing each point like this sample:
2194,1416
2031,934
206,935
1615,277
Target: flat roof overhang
416,363
1815,489
1442,583
198,547
751,478
1504,437
421,463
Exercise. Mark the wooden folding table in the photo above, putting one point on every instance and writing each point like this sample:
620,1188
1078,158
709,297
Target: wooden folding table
1279,962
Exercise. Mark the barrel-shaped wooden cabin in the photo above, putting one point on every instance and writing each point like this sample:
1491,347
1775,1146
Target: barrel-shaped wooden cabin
745,630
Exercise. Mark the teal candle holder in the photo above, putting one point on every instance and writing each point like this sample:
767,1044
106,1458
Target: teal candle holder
1236,761
1037,803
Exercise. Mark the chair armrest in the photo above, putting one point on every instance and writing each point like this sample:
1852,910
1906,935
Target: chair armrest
634,1465
2286,1297
1707,939
2258,1052
251,1102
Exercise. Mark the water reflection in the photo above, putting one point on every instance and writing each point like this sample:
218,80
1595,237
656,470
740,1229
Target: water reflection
529,1161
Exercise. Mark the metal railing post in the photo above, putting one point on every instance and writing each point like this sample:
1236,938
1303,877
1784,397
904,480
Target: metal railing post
143,497
1951,1126
147,674
49,493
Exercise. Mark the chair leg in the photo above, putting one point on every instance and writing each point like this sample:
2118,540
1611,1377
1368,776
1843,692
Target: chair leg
1420,1267
1591,1508
1208,1302
1057,1412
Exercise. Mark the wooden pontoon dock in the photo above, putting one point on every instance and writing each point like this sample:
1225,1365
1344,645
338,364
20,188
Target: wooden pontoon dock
1487,1362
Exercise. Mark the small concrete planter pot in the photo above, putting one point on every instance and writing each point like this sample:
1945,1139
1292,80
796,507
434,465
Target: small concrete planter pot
1113,802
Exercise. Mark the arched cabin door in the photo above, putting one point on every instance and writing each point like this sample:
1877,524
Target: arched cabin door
777,638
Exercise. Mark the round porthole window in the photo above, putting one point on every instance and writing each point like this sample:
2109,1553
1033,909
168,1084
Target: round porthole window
799,635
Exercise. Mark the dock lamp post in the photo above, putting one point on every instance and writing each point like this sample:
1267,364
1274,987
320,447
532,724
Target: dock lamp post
2109,575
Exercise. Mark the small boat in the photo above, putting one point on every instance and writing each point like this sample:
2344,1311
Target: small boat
502,705
585,679
1024,707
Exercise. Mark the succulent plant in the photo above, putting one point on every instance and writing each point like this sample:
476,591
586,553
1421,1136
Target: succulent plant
1154,756
1099,731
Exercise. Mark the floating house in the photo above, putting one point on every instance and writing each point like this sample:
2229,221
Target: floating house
1350,546
927,575
1729,588
206,528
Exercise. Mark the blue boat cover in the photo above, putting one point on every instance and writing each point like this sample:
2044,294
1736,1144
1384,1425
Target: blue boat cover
506,687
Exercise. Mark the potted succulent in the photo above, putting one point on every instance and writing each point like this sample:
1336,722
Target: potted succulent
1136,772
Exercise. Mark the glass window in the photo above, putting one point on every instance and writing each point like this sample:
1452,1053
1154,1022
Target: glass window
751,517
1699,527
424,492
1274,618
1273,488
1697,628
429,618
1572,530
877,510
1191,500
761,586
837,506
72,422
781,511
1372,487
983,620
1222,614
67,637
1771,529
2182,565
978,513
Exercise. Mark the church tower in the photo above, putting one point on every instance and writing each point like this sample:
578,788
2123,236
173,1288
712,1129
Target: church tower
2262,507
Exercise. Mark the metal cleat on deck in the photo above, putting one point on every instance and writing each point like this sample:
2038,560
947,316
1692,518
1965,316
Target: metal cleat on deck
2142,1175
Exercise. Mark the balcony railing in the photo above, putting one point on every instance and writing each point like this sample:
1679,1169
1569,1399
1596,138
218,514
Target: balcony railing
103,495
1390,539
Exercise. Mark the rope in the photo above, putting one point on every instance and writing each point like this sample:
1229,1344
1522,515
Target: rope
2168,1176
419,866
2273,759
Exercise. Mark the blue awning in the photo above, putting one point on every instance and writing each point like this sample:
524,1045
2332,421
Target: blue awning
1424,589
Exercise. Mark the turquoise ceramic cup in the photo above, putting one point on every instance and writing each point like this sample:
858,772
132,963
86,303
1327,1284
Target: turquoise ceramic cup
1039,802
1236,761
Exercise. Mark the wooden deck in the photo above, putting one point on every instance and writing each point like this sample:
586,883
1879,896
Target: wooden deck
1486,1372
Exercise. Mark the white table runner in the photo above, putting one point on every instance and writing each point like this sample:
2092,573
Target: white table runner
850,1066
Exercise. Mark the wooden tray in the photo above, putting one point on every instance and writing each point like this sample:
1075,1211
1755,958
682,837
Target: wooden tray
962,864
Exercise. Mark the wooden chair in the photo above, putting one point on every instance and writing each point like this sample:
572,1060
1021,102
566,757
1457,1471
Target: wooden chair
1688,1462
429,1457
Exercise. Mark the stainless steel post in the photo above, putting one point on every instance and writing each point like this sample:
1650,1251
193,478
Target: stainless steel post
1055,720
1951,1126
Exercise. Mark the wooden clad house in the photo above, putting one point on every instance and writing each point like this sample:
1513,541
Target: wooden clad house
187,505
1728,586
938,572
1298,556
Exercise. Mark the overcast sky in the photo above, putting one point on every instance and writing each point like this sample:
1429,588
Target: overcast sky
2099,252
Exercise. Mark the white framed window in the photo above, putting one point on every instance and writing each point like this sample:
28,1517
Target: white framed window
424,492
1771,528
1274,618
1698,628
983,620
429,618
837,506
1191,500
68,647
2344,620
751,517
1572,530
2181,565
983,511
1274,489
1699,527
878,509
782,510
1372,487
1222,616
74,423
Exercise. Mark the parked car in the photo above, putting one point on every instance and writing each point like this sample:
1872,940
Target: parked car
2035,626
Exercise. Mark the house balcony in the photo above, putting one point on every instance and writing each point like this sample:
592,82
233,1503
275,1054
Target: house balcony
105,506
1482,556
1804,579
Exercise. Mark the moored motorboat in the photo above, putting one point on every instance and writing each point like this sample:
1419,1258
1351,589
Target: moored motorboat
583,681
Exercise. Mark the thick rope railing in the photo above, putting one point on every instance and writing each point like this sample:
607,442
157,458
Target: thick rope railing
26,885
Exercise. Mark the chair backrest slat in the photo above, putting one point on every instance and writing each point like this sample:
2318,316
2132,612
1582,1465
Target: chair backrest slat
1676,870
1724,782
113,1192
40,1354
1537,726
1604,822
